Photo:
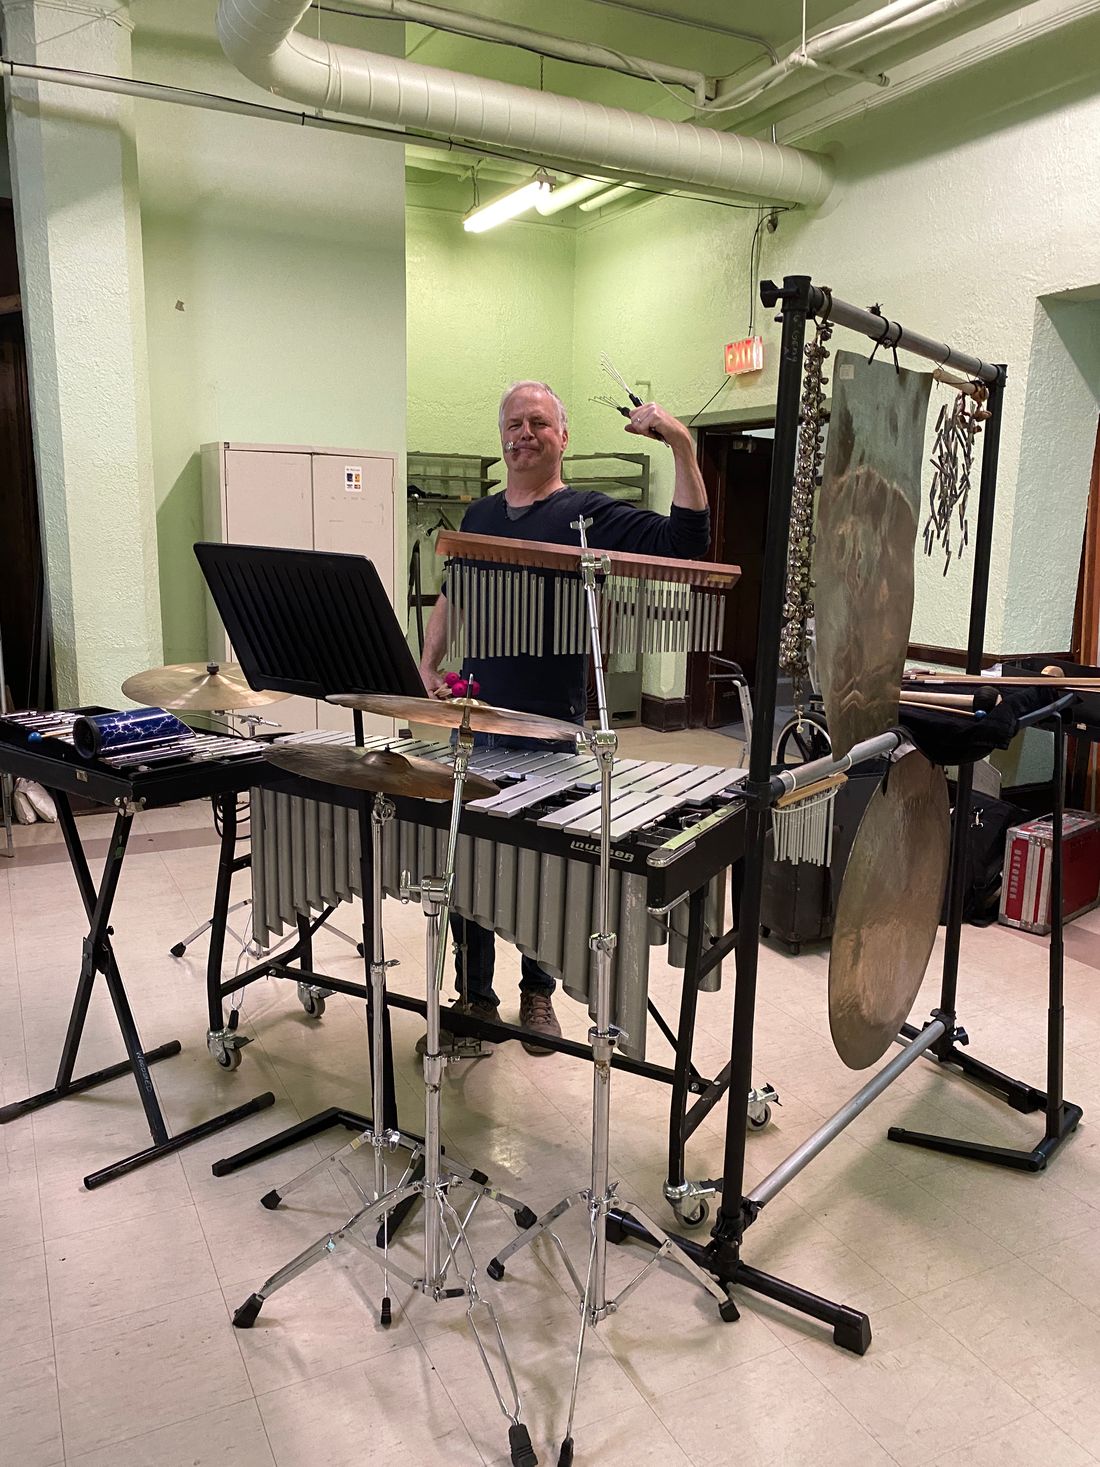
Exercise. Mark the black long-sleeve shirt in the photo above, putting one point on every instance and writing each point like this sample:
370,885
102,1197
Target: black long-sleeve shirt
556,685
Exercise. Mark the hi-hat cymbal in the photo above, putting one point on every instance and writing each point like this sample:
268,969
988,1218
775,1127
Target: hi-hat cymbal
450,713
889,910
202,687
379,771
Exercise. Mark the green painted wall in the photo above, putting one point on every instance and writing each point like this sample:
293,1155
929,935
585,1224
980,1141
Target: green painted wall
483,311
275,295
961,244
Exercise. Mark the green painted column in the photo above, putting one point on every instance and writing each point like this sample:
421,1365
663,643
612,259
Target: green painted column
74,185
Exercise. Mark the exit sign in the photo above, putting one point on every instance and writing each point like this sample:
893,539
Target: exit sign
746,355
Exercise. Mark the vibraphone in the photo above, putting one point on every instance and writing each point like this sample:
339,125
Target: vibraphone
527,867
204,766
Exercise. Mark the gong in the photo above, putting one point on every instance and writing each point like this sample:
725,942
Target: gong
889,909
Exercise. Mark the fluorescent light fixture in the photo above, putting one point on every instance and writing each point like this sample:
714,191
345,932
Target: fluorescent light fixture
506,206
619,192
564,195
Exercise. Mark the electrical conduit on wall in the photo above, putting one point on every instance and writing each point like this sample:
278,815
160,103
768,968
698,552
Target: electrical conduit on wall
259,37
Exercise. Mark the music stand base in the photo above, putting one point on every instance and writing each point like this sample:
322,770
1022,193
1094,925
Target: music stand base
851,1328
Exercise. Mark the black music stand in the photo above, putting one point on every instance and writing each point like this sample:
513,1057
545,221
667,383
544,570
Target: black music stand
314,622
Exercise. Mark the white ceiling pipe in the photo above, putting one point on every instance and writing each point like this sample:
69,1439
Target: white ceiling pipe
620,191
259,37
899,17
482,28
564,195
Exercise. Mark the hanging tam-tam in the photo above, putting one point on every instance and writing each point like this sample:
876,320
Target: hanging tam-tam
868,511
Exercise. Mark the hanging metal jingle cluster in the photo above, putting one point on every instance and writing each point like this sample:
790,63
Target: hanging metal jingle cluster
798,605
952,460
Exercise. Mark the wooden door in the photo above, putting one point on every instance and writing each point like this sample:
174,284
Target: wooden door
736,469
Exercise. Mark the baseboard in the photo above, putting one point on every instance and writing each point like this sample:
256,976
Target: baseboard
667,715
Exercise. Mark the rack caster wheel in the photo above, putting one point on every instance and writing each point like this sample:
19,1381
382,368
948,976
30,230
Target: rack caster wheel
271,1199
696,1216
757,1123
729,1311
313,1004
179,949
229,1059
613,1229
385,1318
565,1454
245,1316
495,1269
519,1443
525,1218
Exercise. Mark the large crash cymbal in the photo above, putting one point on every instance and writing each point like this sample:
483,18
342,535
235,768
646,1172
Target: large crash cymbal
379,771
451,713
889,910
202,687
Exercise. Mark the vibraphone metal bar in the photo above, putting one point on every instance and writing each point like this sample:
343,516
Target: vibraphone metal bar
58,768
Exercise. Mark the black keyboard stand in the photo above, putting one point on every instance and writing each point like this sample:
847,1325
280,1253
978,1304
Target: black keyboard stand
98,957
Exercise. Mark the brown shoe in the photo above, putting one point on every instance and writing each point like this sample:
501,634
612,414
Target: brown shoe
477,1008
536,1013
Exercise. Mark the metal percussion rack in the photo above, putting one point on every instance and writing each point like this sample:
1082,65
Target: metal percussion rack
57,766
941,1037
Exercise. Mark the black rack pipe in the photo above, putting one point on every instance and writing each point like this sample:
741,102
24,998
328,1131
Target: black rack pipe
975,649
795,306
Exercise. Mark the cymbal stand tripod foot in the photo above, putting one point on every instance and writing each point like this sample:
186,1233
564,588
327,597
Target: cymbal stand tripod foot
445,1239
601,1194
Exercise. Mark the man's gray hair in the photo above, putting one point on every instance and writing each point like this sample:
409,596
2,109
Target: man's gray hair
563,421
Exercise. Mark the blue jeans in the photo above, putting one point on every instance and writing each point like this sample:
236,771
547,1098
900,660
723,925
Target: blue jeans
478,944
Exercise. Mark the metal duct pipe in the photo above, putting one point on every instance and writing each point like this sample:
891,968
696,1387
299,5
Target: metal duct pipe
483,28
259,37
865,37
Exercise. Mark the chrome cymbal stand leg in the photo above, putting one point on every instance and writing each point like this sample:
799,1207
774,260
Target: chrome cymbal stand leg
600,1196
442,1223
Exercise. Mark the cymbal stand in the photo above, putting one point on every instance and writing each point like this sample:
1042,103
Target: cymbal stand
445,1239
601,1195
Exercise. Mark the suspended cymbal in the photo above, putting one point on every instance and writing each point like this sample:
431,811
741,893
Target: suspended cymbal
379,771
203,687
889,910
450,712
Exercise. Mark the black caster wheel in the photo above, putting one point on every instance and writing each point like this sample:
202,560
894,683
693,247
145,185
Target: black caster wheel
565,1455
729,1311
756,1124
385,1318
229,1059
271,1200
245,1316
179,949
525,1218
613,1229
495,1269
765,931
519,1443
359,948
313,1005
697,1215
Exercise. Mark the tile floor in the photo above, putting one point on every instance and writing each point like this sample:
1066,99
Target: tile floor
115,1343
